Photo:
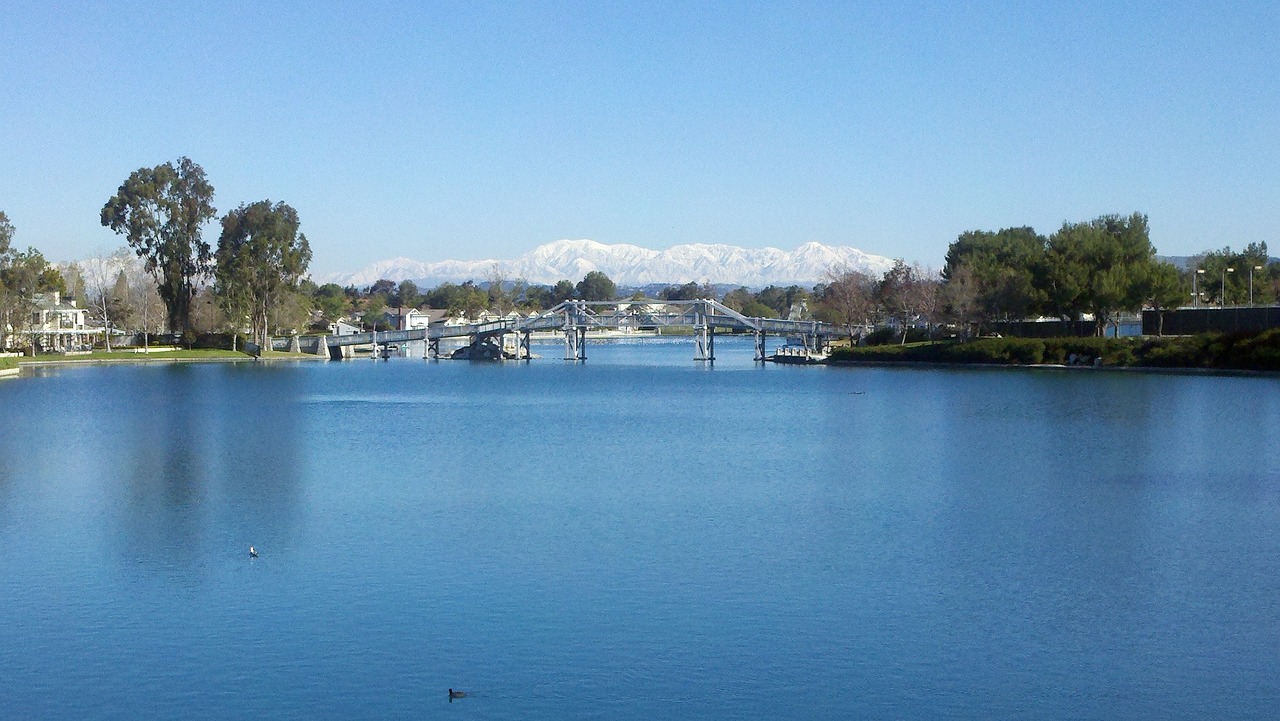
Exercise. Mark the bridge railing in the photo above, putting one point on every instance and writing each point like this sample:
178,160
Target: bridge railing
579,315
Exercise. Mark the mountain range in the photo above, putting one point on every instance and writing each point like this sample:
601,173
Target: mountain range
633,266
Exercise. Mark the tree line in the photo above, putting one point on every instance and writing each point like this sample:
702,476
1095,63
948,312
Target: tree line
255,277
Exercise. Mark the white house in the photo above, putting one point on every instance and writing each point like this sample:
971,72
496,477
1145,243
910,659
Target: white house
59,325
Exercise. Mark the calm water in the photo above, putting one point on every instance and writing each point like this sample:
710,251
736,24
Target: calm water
637,537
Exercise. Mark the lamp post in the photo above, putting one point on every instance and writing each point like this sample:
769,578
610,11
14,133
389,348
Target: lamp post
1224,285
1195,293
1251,269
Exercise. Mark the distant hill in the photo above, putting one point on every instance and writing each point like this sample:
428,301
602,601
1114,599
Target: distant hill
633,266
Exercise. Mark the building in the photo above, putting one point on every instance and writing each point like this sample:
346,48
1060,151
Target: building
59,325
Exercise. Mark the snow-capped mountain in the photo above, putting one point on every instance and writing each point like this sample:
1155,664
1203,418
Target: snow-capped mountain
630,265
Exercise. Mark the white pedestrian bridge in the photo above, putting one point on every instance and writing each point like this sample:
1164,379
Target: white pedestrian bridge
573,319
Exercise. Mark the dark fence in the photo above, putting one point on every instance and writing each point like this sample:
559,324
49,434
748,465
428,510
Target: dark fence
1042,329
1189,321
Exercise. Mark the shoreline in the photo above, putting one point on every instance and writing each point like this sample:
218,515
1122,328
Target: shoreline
146,359
1155,370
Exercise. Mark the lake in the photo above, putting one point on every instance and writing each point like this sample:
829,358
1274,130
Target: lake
639,536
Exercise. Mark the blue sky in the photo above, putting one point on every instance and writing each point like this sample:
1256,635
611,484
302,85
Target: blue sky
473,130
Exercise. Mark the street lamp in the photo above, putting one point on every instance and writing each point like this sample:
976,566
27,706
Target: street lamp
1251,269
1224,285
1195,293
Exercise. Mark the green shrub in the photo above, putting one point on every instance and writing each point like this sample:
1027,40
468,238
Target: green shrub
1245,351
1259,351
1025,351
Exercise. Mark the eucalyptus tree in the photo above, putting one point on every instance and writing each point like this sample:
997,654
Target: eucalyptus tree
260,260
161,212
6,233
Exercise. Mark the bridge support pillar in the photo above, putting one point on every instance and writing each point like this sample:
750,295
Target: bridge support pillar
433,349
702,343
760,349
335,352
575,343
523,352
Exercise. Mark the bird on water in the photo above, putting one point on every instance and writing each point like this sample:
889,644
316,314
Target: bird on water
253,552
456,694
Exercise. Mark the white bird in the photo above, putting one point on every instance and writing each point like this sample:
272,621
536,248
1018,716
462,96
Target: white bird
253,552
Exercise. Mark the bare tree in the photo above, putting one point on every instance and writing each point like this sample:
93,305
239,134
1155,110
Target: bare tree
962,297
850,295
101,274
932,303
907,293
498,299
148,307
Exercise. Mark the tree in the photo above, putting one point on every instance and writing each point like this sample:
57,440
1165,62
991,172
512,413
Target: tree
101,281
905,293
331,301
689,291
1164,289
1001,270
261,259
161,212
537,297
406,295
382,286
146,306
1236,292
850,296
961,297
6,233
596,286
76,288
496,281
1099,267
24,276
563,290
375,309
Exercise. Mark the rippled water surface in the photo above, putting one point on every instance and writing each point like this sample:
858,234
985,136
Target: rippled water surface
637,537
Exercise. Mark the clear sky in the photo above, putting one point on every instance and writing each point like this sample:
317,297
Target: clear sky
472,130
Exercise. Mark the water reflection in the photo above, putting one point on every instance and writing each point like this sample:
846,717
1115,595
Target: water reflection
207,471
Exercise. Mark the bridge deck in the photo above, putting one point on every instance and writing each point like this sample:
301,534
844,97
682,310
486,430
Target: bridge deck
587,315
